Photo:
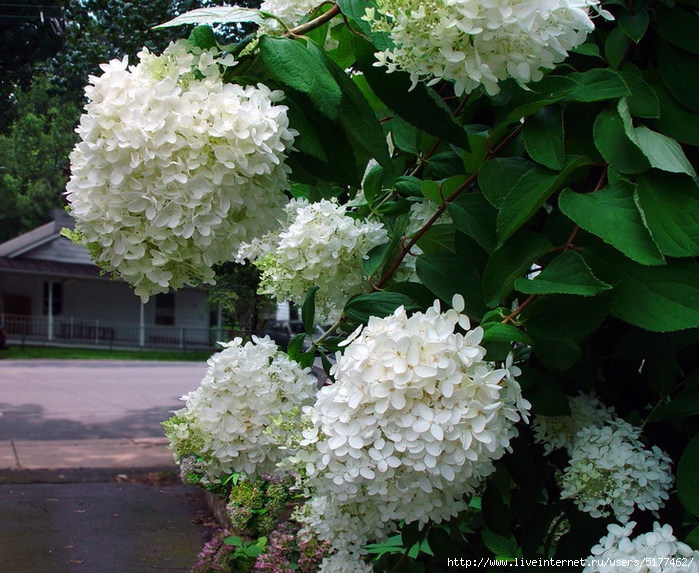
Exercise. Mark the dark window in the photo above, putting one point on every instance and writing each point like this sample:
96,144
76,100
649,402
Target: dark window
165,309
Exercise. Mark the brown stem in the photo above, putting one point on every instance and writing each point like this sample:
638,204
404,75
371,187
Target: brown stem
315,23
405,249
516,312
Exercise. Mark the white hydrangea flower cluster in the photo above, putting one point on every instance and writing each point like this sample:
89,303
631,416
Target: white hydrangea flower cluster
556,432
175,168
414,421
480,42
320,246
657,551
611,471
246,388
291,13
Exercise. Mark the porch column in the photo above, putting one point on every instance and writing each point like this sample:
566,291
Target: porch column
49,322
142,326
219,322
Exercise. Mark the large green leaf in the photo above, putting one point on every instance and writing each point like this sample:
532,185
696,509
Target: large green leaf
356,116
543,137
510,261
437,272
659,299
615,146
549,90
559,316
475,217
634,25
670,206
597,85
530,192
688,477
497,176
216,15
679,27
680,73
643,101
567,273
292,64
612,215
380,304
676,120
423,108
662,152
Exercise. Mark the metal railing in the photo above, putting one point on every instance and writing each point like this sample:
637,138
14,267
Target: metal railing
25,329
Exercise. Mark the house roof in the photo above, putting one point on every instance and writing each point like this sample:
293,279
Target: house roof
44,251
43,267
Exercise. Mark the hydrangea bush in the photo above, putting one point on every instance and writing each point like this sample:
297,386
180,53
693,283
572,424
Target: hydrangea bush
495,203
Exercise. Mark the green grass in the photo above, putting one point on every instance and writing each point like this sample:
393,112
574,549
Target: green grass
50,352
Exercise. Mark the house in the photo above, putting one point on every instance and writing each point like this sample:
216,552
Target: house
50,291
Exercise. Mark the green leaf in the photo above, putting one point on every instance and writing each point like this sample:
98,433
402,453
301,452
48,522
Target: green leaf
380,304
659,299
670,205
308,310
423,108
680,74
511,261
504,548
676,120
475,217
688,477
293,65
643,101
438,191
438,239
615,146
216,15
566,274
436,272
203,37
679,27
543,137
662,152
612,215
616,46
497,176
530,192
499,332
405,135
598,84
634,25
356,116
356,9
549,90
560,316
557,354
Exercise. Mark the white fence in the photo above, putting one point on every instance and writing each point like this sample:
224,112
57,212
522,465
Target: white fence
30,330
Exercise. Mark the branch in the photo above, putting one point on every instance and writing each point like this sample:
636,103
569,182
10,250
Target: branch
315,23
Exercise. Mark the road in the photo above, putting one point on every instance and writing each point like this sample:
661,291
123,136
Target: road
89,399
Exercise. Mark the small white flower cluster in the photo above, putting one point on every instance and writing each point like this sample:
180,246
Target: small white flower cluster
556,432
657,551
610,470
479,42
320,246
175,168
289,12
413,423
246,388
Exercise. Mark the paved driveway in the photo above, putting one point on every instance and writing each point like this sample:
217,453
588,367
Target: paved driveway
88,399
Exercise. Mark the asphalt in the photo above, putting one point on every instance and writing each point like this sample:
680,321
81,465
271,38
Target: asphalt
103,496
